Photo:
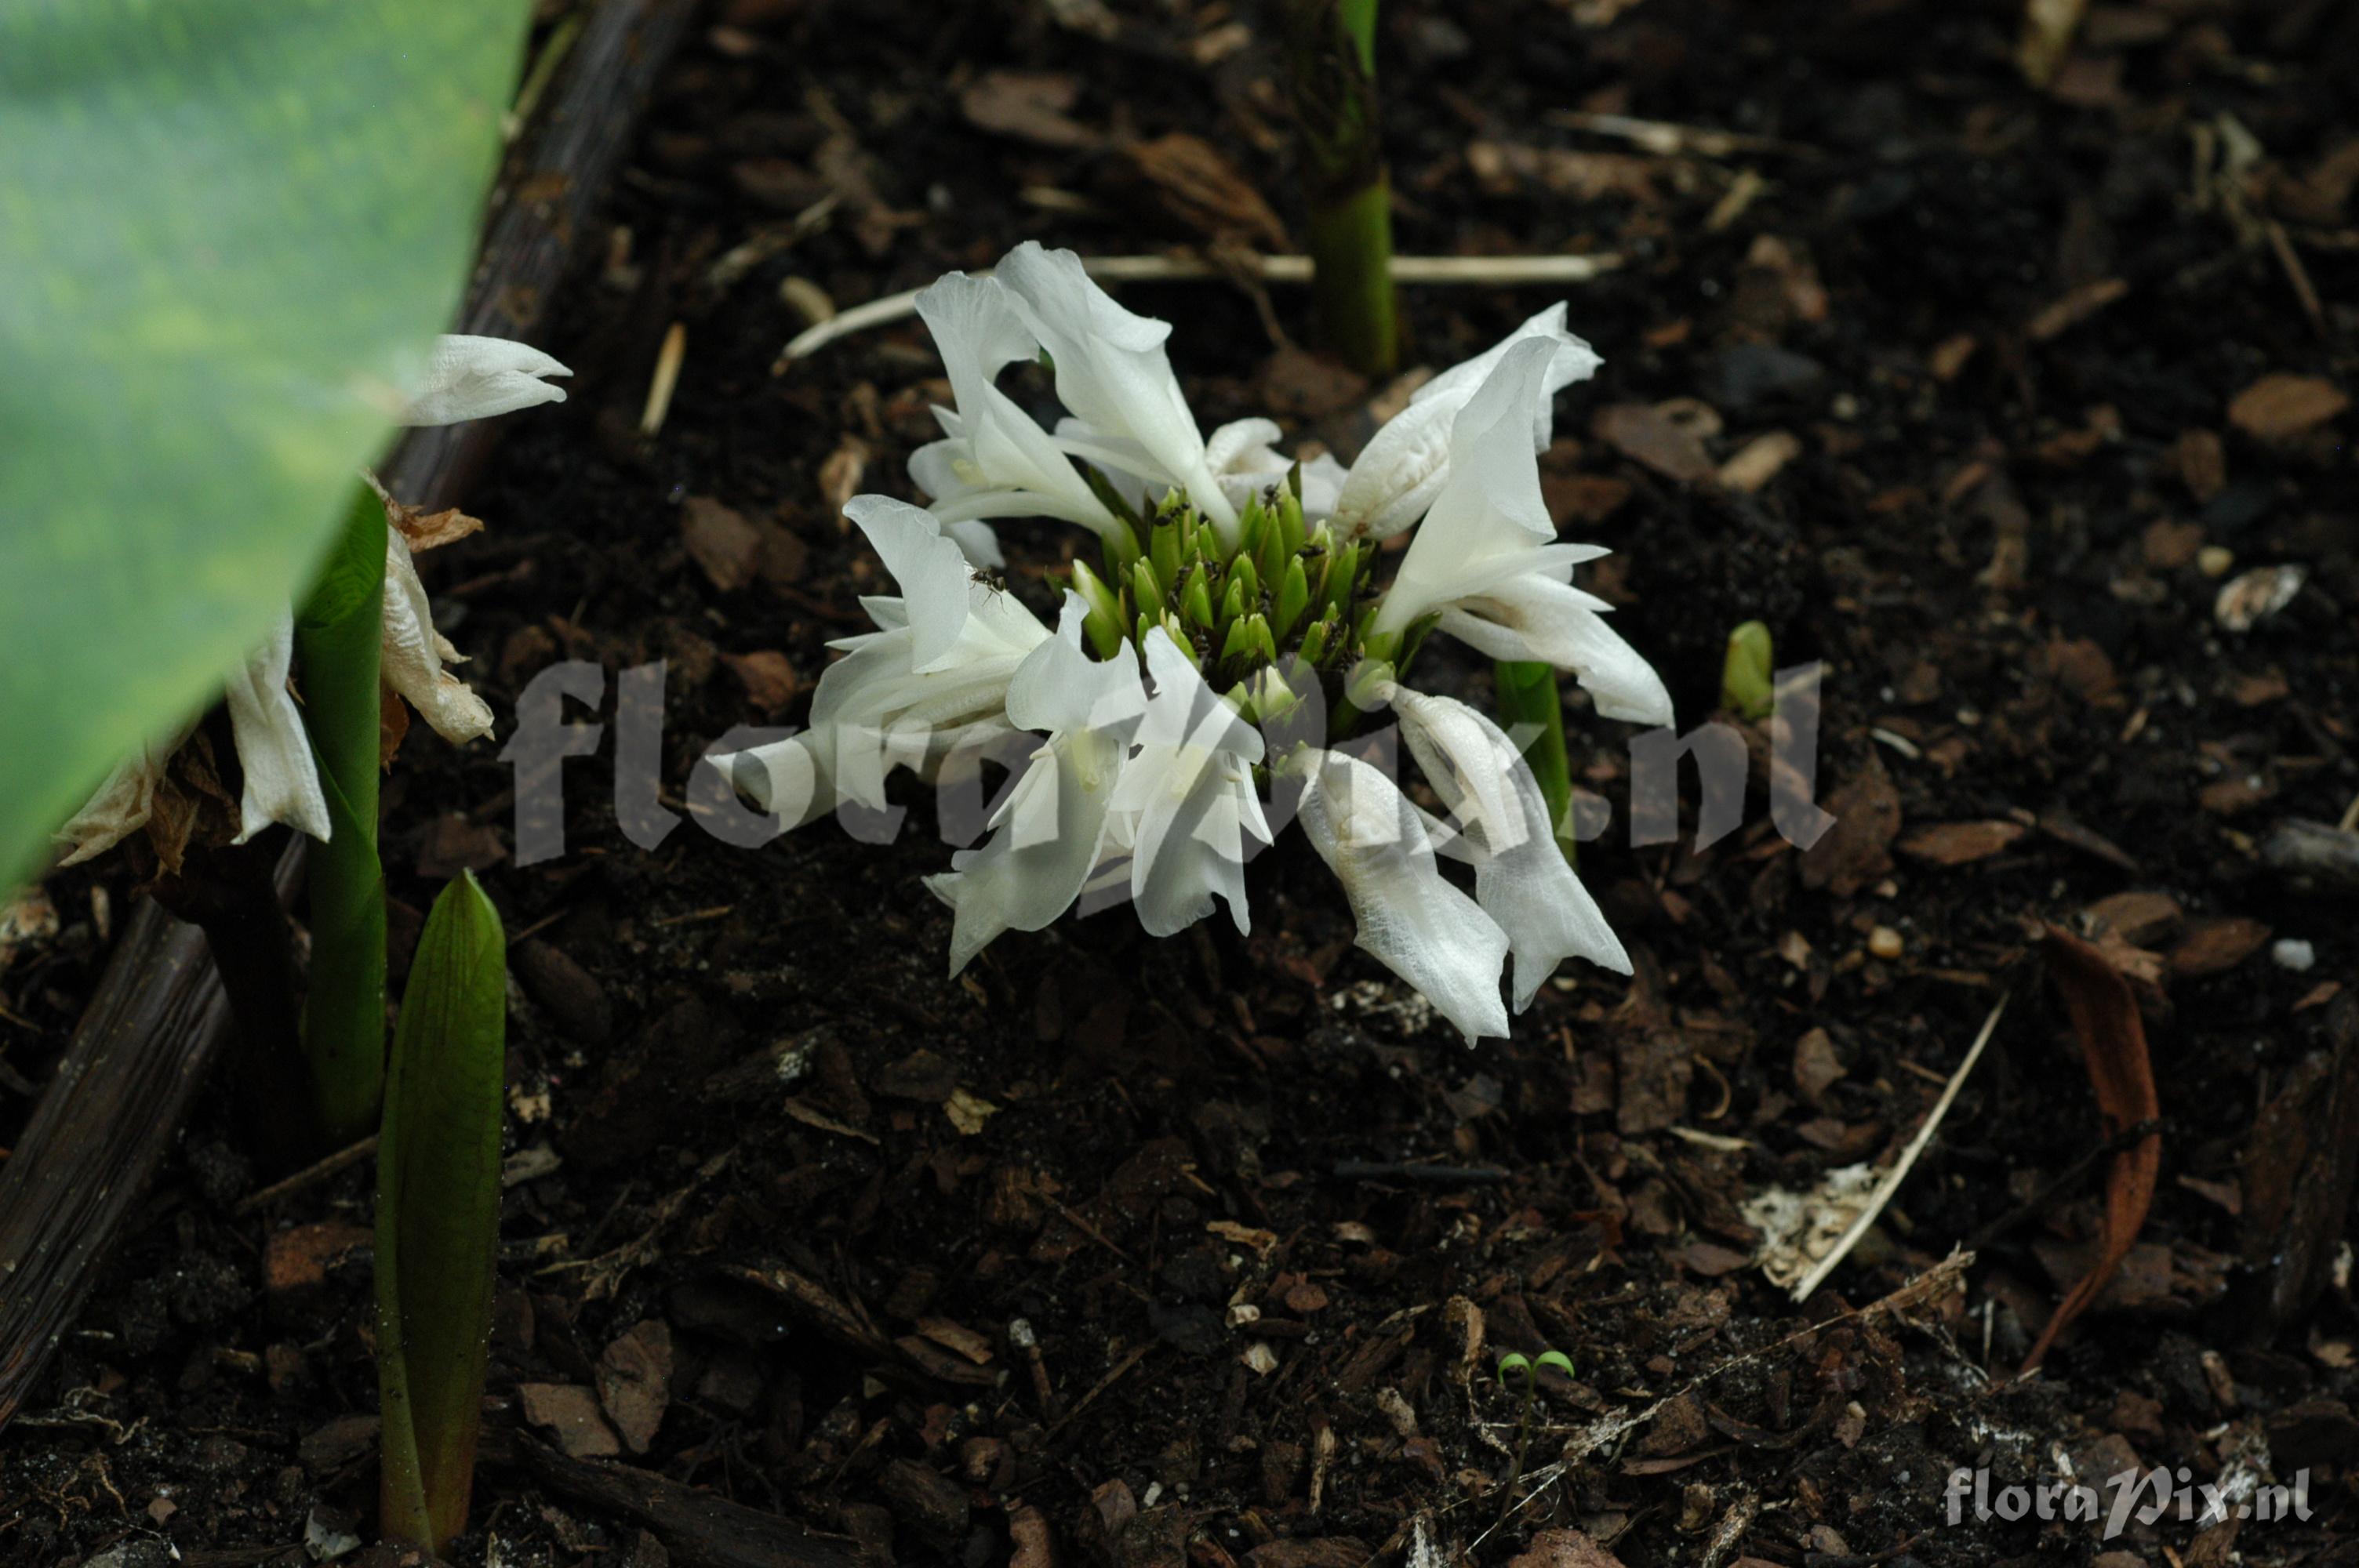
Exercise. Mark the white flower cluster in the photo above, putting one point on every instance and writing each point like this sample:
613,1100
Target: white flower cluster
465,378
1234,581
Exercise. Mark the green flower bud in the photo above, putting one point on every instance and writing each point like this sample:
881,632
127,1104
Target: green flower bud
1257,634
1335,584
1232,600
1196,599
1146,591
1164,551
1293,596
1253,522
1102,624
1290,511
1244,573
1237,643
1360,686
1316,640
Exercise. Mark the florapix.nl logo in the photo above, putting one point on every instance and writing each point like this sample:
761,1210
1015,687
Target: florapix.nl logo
2146,1497
545,738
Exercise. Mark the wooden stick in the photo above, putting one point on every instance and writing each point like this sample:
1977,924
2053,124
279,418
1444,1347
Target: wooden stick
1494,271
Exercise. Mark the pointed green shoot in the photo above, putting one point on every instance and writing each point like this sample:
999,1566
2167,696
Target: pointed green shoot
438,1215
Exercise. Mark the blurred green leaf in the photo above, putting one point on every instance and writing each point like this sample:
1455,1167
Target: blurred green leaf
227,231
438,1215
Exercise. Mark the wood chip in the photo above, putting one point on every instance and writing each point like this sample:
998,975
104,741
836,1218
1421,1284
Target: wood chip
2281,407
2215,947
1960,843
1760,461
1651,438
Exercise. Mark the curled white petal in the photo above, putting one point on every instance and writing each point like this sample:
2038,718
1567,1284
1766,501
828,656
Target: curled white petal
1487,560
1112,370
1410,918
273,751
1050,833
1185,804
930,569
413,653
996,461
1521,877
930,685
475,378
1405,464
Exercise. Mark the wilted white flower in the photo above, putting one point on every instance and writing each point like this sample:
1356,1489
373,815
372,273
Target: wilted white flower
466,378
1237,605
274,750
413,653
125,803
475,378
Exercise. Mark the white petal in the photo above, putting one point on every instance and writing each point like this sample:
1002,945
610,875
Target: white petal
274,750
978,543
794,777
1411,920
1112,370
1521,877
1490,512
475,378
413,653
1531,618
930,569
1405,464
1060,686
998,461
1186,803
1049,840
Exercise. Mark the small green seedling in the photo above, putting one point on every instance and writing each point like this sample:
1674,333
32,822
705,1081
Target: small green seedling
1515,1369
1746,686
438,1215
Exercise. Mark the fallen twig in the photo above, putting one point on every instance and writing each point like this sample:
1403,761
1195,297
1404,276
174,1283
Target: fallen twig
1495,270
1900,1167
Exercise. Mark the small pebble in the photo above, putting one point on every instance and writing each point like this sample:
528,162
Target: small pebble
1884,942
2213,560
2291,954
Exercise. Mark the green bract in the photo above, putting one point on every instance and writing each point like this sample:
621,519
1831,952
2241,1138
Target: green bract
225,230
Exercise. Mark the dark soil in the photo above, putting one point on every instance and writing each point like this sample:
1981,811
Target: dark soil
798,1203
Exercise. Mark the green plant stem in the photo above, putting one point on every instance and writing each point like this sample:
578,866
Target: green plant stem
338,635
1528,698
438,1211
1352,273
1348,199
